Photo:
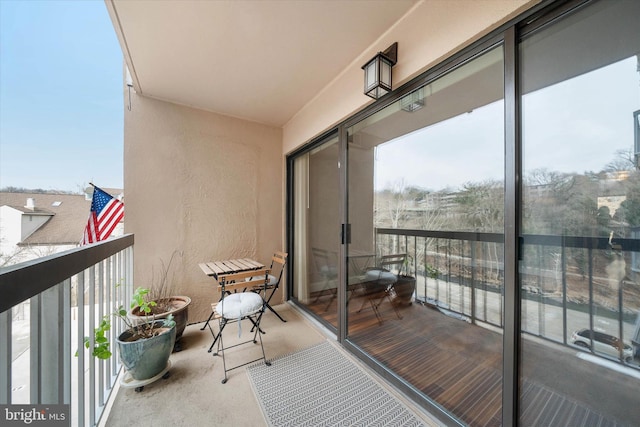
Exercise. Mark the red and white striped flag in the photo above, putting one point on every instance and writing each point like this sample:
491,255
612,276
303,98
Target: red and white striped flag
106,213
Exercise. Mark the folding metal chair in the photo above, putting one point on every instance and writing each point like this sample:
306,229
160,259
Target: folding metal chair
278,261
379,281
238,306
327,268
217,268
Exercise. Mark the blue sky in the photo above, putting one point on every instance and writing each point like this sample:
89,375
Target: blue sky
61,96
572,127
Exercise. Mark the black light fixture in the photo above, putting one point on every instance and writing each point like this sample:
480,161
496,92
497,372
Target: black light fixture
413,101
377,72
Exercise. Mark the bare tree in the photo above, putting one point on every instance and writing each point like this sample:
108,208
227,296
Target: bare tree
392,209
624,161
26,253
481,208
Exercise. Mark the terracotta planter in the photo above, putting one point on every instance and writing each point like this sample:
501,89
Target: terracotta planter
146,358
178,306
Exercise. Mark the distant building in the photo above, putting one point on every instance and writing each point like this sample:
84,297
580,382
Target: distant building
33,225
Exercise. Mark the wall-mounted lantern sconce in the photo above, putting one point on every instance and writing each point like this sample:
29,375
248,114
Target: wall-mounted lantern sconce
413,101
377,72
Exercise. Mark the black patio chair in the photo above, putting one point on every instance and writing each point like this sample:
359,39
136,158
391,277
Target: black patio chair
379,281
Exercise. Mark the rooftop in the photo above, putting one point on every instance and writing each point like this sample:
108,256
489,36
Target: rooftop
68,215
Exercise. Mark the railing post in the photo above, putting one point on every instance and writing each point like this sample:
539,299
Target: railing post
100,369
473,281
92,361
406,244
449,276
620,314
425,274
415,257
49,333
462,282
563,263
35,353
130,278
541,283
80,303
5,357
438,279
114,304
108,304
65,351
590,264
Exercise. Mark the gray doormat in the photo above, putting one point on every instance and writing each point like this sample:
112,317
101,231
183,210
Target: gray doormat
320,386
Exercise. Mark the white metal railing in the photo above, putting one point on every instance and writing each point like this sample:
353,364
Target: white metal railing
47,307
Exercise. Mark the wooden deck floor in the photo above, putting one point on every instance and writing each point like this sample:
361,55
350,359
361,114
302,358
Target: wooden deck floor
459,365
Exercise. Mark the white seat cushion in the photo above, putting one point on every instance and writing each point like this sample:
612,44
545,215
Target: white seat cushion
329,271
272,280
239,305
381,276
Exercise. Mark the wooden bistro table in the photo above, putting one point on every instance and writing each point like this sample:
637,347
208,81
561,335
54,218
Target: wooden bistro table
218,270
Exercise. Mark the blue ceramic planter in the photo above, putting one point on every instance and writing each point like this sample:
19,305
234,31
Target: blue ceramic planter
146,358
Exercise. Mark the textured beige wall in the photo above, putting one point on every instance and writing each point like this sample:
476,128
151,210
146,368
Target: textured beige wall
205,185
212,187
432,31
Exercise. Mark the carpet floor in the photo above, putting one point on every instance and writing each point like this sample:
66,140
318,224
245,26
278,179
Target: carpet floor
320,386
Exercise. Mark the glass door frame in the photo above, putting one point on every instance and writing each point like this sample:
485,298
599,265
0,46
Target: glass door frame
506,37
509,35
290,219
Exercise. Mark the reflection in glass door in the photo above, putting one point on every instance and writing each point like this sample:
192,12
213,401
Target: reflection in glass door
425,262
316,229
579,276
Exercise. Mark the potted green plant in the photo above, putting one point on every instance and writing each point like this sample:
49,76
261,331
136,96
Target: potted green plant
144,348
166,302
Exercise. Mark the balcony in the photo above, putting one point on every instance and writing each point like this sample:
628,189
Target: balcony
448,343
47,290
446,303
196,378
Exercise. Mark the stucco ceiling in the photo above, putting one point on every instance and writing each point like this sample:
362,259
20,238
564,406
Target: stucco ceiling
256,60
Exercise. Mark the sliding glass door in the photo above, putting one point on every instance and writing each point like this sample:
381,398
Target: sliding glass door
482,249
316,229
580,299
425,208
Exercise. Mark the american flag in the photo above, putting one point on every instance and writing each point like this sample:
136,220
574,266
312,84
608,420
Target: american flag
106,213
